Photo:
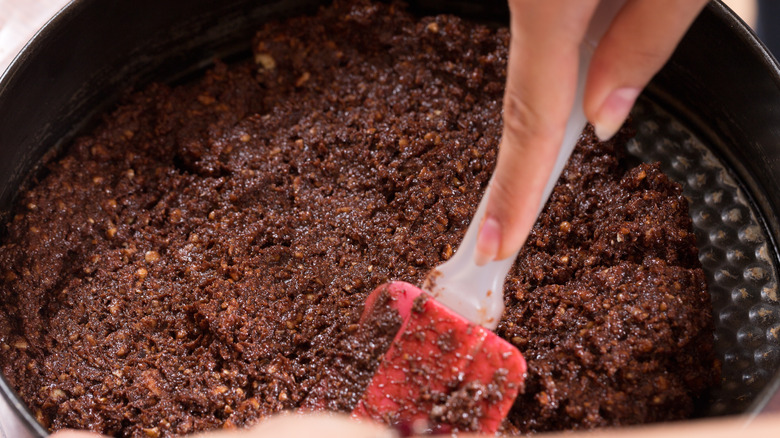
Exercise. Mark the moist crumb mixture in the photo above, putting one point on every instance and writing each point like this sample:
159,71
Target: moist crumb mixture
201,259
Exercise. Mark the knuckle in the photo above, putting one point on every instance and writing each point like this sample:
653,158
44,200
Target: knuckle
502,190
523,124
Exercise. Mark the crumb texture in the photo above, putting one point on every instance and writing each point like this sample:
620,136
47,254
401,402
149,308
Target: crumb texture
200,260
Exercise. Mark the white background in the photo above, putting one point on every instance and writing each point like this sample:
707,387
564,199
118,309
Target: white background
19,20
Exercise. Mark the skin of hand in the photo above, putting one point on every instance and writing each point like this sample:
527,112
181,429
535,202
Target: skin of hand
340,426
541,83
287,425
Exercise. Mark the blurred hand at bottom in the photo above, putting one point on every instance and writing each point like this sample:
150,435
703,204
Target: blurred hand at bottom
341,426
287,426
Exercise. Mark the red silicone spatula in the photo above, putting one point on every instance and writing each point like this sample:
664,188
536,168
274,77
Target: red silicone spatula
445,367
442,371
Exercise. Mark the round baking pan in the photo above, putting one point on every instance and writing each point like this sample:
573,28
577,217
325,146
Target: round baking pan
712,117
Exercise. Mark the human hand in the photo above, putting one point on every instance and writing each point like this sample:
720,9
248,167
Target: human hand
327,426
540,89
284,425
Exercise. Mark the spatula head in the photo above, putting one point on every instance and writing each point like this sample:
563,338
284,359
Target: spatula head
441,370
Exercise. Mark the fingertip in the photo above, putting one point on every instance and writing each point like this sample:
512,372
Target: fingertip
488,241
614,111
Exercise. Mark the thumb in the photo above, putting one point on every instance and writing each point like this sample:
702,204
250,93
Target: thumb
638,43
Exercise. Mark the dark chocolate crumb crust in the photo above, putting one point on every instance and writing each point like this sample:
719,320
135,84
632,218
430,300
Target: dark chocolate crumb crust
201,259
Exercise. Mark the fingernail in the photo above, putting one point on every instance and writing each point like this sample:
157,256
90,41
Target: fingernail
488,241
614,111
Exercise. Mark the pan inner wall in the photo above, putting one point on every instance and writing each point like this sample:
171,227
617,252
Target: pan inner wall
735,252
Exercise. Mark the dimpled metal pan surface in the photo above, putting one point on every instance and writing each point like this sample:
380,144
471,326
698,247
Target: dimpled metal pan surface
711,116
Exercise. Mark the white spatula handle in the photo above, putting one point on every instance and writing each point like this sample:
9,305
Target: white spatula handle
476,292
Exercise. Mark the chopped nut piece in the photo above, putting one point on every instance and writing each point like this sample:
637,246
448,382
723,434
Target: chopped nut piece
447,252
302,79
21,344
266,60
206,99
220,389
57,394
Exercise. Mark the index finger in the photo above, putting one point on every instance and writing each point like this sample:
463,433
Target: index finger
541,83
